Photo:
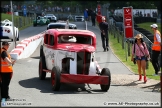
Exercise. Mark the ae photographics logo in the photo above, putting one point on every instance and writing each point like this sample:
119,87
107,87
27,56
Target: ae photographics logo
3,102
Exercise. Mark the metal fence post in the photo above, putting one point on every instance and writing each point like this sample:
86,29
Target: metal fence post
128,41
24,20
125,48
118,32
122,40
20,22
117,28
114,32
15,21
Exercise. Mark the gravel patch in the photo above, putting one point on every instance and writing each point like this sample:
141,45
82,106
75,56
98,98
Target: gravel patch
132,81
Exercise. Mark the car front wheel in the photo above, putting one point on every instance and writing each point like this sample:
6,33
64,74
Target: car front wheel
106,72
42,65
55,78
18,37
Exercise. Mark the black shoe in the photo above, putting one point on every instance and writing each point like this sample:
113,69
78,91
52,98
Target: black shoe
107,49
104,50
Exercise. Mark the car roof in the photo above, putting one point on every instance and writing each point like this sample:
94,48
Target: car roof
49,14
72,31
60,23
6,21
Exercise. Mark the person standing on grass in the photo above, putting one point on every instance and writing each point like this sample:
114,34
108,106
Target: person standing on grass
140,51
156,48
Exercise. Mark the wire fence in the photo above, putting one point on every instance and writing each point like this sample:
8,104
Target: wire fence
127,43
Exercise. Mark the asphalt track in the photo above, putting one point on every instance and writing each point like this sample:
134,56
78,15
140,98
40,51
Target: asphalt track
26,87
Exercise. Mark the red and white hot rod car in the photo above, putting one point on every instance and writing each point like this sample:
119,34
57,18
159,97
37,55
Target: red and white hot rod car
69,55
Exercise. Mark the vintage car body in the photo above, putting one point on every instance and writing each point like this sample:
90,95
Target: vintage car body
7,30
41,21
70,57
51,17
61,25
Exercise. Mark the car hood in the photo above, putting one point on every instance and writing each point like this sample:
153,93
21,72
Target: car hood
76,47
71,24
49,16
60,23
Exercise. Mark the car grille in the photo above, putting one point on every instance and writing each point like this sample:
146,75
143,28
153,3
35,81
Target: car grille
78,19
83,62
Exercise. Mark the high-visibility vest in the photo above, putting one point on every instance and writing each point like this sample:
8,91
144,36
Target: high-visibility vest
156,45
5,66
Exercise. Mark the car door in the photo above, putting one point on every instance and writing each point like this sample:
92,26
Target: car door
51,52
45,49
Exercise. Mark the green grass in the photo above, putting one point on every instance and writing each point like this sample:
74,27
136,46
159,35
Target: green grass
120,53
147,26
7,16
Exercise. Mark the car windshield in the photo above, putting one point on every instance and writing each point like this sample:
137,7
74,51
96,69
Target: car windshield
56,26
78,39
2,24
5,24
49,15
40,17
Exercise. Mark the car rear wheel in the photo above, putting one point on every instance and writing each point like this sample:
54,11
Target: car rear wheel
106,72
47,22
41,51
34,24
42,65
55,78
18,37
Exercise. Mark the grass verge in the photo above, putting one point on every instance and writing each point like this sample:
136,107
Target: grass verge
147,26
8,16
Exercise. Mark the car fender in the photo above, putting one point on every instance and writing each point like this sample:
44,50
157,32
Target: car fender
60,54
8,28
93,65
